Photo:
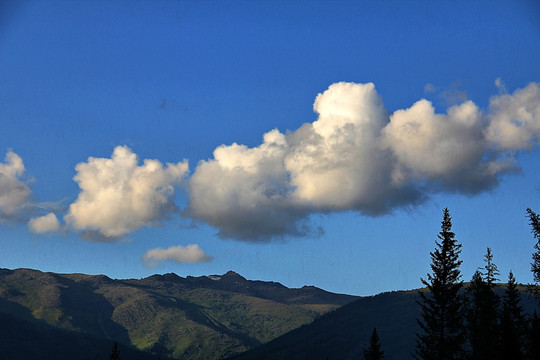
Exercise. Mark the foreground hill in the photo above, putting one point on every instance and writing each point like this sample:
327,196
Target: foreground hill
208,317
344,333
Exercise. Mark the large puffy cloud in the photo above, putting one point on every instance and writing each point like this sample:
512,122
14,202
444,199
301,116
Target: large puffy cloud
334,162
357,156
446,149
515,119
180,254
246,192
44,224
119,196
14,193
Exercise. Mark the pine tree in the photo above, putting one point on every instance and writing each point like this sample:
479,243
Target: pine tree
482,319
533,334
442,307
512,322
374,351
491,270
534,338
472,312
115,353
534,221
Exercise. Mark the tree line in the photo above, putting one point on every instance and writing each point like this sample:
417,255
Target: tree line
472,322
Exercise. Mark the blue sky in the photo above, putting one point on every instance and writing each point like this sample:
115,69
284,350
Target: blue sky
310,143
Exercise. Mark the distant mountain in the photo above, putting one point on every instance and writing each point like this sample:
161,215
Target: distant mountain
344,333
76,316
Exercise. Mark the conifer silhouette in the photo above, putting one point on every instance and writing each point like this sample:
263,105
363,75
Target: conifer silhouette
374,352
482,312
512,322
442,306
115,352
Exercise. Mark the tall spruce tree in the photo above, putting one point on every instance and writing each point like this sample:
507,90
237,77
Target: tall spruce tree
534,324
374,352
533,337
472,314
441,306
115,352
482,312
490,270
534,221
512,322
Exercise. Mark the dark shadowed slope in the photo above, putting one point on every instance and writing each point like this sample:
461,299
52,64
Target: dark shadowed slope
344,333
23,340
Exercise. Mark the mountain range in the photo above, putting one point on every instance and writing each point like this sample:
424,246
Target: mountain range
76,316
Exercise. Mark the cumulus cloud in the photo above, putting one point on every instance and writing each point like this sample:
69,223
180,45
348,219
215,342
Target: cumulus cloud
357,156
188,254
332,164
44,224
514,120
14,193
245,192
447,150
119,196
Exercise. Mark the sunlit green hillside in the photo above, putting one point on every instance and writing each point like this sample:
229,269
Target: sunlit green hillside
189,318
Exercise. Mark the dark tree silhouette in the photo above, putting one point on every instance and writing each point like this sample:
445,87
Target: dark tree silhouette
374,352
481,316
472,312
115,352
534,338
490,270
534,325
534,221
442,306
482,312
512,322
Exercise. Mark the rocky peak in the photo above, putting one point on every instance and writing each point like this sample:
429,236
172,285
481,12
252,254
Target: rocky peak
231,275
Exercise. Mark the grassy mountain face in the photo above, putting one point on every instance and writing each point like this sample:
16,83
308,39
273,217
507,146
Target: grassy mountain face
344,333
190,318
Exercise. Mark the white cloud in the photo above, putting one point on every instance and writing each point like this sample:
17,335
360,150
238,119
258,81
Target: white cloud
515,119
44,224
119,196
245,191
334,163
256,194
445,148
188,254
14,193
356,156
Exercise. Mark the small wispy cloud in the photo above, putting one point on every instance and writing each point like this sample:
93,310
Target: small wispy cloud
189,254
499,83
430,88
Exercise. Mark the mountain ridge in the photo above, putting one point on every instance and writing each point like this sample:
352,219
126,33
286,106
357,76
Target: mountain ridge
208,317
